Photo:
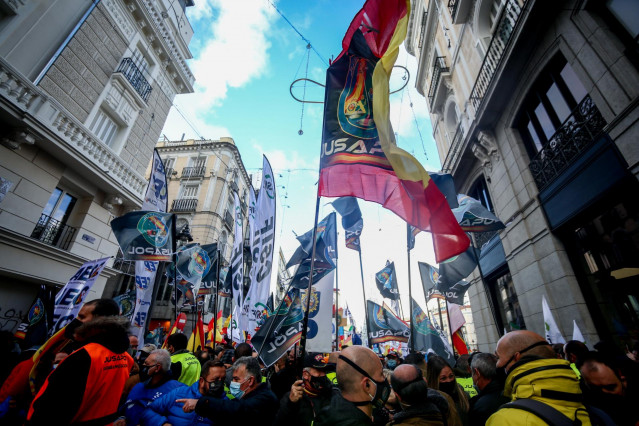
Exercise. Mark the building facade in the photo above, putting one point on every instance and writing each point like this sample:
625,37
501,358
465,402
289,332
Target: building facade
85,89
534,112
203,177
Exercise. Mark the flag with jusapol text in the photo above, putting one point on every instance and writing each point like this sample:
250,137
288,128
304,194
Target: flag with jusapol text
385,327
427,338
144,235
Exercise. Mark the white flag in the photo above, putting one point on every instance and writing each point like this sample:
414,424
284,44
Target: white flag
233,331
576,333
237,258
553,335
456,316
262,248
320,336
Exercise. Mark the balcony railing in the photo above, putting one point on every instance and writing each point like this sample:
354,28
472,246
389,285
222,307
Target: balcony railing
184,205
127,267
576,135
422,31
193,172
454,148
134,76
506,25
169,172
452,8
438,68
228,219
53,232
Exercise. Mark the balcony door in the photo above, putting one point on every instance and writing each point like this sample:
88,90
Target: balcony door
51,228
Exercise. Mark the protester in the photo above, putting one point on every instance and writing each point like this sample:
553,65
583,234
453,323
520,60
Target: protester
393,360
170,408
574,351
87,385
607,386
383,415
463,375
440,376
133,345
155,381
254,403
412,392
362,386
185,367
307,396
417,359
490,396
282,376
534,373
241,350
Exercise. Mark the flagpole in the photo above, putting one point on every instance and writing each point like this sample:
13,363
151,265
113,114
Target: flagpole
411,346
310,284
217,288
174,248
361,270
450,328
336,298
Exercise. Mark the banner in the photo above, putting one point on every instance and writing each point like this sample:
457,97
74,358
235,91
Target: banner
226,289
326,236
208,283
432,280
472,216
457,268
386,281
319,336
71,297
553,335
262,250
145,272
237,257
411,232
385,326
126,302
455,316
234,332
352,221
427,338
285,326
156,197
359,155
429,275
144,235
36,324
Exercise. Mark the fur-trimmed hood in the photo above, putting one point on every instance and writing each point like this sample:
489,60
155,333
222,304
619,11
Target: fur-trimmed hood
110,332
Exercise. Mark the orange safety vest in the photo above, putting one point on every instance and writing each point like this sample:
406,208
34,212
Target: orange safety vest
105,382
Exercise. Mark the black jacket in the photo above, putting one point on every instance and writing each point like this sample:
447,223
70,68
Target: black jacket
342,412
302,412
258,407
486,402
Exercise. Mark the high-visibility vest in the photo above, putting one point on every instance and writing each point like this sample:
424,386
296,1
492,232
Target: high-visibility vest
576,370
332,376
107,374
191,367
467,384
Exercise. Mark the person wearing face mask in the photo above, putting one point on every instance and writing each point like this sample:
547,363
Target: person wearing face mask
171,407
440,376
307,396
392,360
155,381
539,384
254,403
361,387
490,397
412,392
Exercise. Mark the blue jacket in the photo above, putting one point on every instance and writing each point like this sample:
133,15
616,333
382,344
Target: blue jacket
172,412
136,408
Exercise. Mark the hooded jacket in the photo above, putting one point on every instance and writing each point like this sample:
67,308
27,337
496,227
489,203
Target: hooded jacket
87,384
550,381
166,410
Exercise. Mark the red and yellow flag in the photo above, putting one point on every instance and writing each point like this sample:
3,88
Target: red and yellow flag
196,341
177,327
359,155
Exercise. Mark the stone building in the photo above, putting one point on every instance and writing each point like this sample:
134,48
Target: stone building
203,176
85,89
534,111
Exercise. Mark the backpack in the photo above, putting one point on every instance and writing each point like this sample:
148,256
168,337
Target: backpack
556,418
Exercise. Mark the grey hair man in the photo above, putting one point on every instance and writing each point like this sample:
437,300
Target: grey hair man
484,373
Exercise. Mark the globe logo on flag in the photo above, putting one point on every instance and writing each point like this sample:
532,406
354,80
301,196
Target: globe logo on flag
36,312
200,262
153,228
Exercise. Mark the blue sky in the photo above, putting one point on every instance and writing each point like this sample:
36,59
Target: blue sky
245,58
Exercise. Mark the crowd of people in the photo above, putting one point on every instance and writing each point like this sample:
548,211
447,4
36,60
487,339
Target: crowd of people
94,373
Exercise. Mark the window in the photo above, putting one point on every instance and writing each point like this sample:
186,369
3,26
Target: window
140,61
51,228
189,191
556,93
104,128
479,191
506,302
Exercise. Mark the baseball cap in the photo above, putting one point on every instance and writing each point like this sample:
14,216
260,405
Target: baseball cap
148,348
317,360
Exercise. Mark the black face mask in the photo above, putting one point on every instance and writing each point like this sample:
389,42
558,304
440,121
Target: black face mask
448,387
144,373
382,391
320,384
216,389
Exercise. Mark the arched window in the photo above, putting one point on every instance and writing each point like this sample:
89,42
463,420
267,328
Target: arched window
486,16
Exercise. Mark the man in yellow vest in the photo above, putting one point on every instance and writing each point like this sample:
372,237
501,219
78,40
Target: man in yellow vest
185,366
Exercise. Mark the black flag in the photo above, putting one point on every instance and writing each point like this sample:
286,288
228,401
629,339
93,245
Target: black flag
427,339
385,326
386,281
352,221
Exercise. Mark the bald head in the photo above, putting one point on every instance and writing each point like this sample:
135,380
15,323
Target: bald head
348,378
512,346
409,384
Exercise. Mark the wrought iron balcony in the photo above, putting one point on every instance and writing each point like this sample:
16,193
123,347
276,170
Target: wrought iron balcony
438,68
452,8
184,205
506,25
53,232
576,135
422,30
134,76
193,172
455,146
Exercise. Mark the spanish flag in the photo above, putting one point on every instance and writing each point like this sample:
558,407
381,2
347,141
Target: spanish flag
360,157
177,327
196,341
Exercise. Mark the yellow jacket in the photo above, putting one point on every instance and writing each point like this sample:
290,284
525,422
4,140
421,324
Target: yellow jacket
550,381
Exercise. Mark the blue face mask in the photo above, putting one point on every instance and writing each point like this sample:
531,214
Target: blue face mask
235,390
391,363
